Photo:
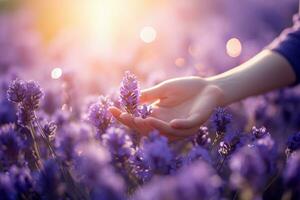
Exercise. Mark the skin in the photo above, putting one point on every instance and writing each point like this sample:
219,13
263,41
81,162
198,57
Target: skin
182,105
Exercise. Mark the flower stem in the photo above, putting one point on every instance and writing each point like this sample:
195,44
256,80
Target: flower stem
36,153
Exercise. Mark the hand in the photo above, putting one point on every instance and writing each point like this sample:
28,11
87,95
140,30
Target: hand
180,107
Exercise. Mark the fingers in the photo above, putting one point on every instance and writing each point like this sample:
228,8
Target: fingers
192,121
124,118
151,94
128,120
115,112
166,129
142,125
200,112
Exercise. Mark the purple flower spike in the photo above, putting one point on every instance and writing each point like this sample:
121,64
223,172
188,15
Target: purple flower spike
16,91
155,153
49,129
259,132
293,143
33,95
98,114
291,175
27,95
202,138
118,142
220,120
11,146
248,169
130,94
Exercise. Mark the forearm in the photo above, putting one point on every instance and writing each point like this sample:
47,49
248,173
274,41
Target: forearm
264,72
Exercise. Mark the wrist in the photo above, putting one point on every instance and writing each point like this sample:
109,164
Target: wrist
217,86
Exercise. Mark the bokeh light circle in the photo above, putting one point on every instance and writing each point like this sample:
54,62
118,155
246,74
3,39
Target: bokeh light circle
56,73
234,47
148,34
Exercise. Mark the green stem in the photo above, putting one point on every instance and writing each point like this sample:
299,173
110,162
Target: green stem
76,192
221,164
272,181
36,153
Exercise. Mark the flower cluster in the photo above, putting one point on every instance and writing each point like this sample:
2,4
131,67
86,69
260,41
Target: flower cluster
48,152
130,95
66,158
27,94
99,115
220,120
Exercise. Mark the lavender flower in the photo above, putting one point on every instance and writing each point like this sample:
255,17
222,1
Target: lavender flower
17,90
187,184
118,142
7,190
49,129
32,96
27,95
22,181
232,141
93,170
50,181
291,174
145,111
268,152
7,111
130,94
293,144
11,146
155,153
201,138
69,137
259,132
248,170
197,153
98,114
220,120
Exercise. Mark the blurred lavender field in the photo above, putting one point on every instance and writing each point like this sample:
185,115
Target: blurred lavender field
58,140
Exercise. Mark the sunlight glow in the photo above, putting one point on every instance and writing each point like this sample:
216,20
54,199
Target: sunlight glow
148,34
56,73
233,47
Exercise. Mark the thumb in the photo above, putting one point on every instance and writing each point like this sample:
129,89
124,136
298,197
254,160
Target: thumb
151,94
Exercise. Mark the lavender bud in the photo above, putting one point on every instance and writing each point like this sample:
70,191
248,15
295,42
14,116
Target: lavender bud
201,138
259,132
49,129
130,94
145,111
293,143
33,95
220,120
98,114
118,142
16,91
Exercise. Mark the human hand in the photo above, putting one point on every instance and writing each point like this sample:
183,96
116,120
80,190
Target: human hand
180,107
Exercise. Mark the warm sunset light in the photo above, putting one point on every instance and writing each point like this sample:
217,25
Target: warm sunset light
56,73
148,34
234,47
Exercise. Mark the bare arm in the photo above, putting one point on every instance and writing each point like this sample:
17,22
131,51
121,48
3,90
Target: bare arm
266,71
186,103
